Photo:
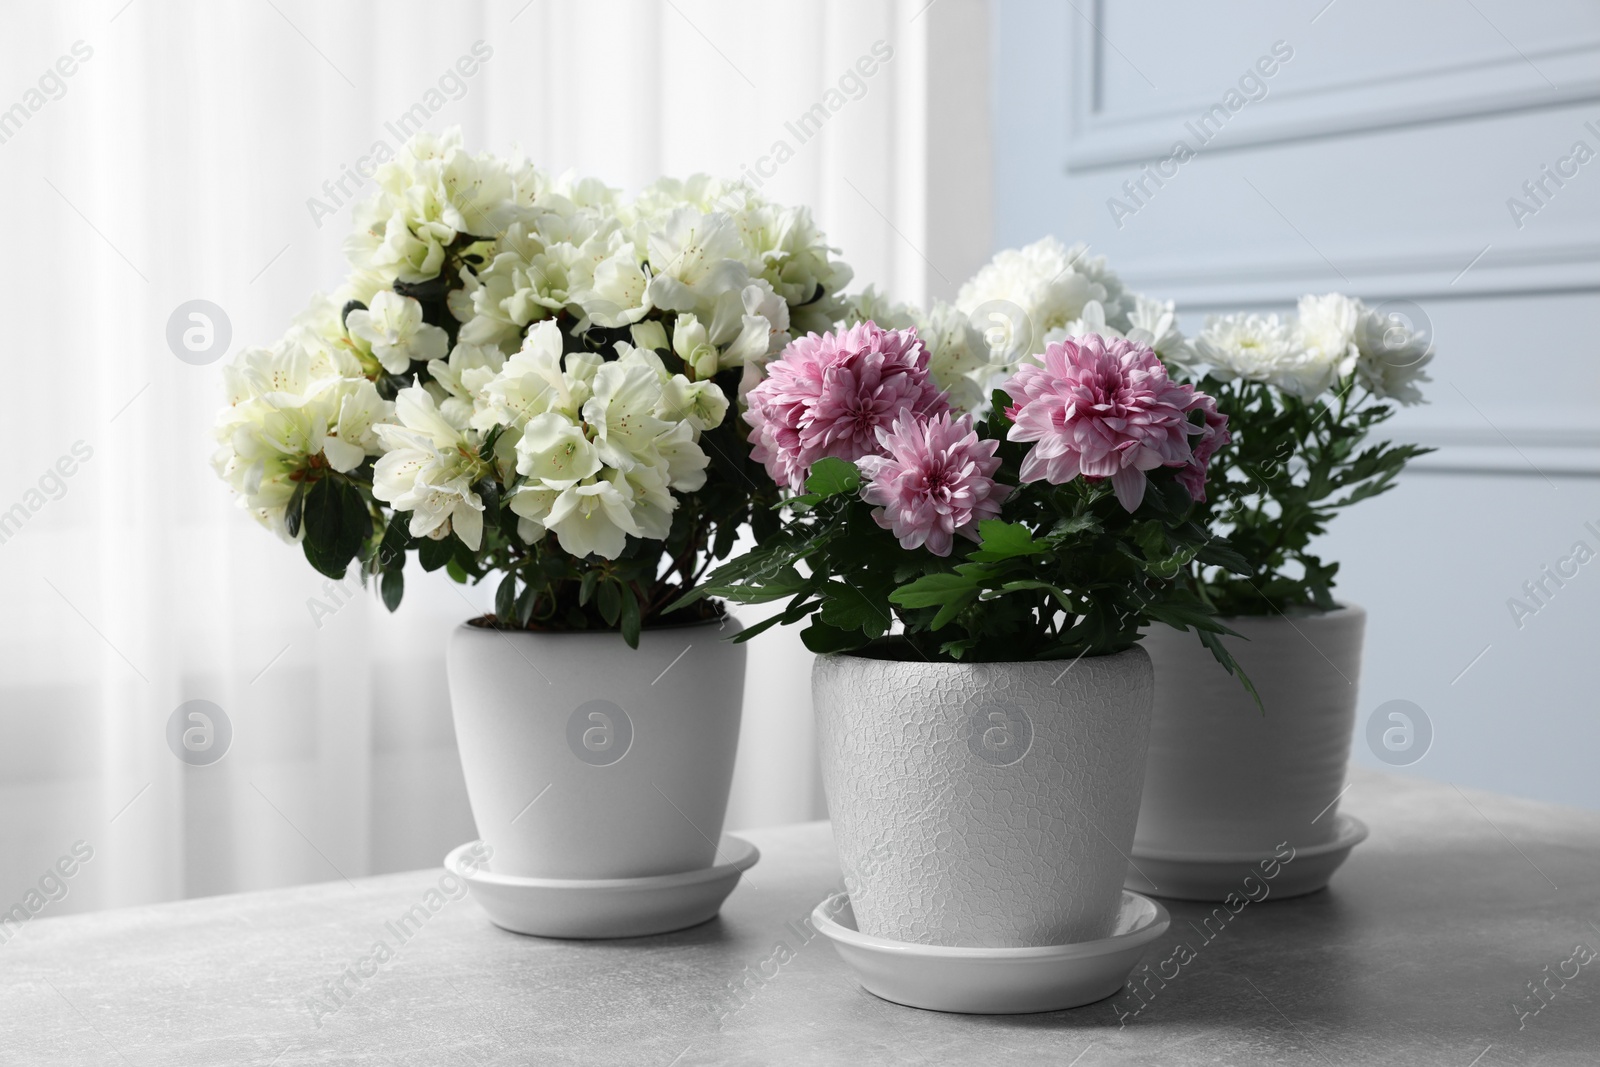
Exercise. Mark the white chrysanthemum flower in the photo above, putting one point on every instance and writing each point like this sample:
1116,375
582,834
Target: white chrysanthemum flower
1393,356
394,330
1155,323
1325,340
429,468
1257,348
1048,283
1148,322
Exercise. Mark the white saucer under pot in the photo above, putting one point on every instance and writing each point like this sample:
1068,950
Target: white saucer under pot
994,981
1287,872
603,907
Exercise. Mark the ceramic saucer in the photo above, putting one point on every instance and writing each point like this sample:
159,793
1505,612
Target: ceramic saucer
1212,876
606,907
994,981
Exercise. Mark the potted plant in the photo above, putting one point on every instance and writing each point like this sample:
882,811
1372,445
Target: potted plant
976,589
1228,784
527,379
1233,775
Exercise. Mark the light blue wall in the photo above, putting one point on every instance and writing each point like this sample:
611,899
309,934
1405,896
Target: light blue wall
1437,560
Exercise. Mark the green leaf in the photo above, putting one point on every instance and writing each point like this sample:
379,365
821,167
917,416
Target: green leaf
505,598
297,503
337,524
586,586
1005,540
610,599
630,617
932,590
848,608
393,587
434,554
830,477
396,539
821,638
1219,651
525,602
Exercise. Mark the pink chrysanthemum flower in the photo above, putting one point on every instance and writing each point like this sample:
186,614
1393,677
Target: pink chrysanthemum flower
829,395
1212,437
1102,409
936,480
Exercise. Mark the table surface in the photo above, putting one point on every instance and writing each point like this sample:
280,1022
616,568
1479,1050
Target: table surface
1425,950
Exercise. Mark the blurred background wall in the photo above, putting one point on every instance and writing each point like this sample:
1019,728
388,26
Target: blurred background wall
180,158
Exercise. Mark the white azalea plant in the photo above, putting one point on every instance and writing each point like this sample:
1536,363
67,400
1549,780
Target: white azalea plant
1300,395
529,376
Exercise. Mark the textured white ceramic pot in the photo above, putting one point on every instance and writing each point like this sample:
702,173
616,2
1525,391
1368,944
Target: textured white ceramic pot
587,759
983,804
1225,778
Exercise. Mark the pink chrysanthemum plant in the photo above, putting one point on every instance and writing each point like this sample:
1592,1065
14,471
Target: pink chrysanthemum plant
1052,529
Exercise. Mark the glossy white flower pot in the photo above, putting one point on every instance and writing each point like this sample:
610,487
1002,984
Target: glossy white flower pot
586,759
984,804
1226,779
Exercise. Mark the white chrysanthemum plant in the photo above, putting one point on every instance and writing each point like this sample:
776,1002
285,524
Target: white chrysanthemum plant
529,376
1300,396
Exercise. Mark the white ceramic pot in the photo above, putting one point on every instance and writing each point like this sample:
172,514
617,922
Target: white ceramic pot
587,759
1224,778
983,804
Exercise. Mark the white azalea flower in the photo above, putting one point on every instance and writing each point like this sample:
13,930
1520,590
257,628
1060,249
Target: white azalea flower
959,356
871,306
749,324
394,328
534,381
555,452
429,194
283,425
621,412
691,341
616,295
594,518
699,404
696,259
429,469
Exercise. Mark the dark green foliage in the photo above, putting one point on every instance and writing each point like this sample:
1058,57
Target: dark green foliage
1291,466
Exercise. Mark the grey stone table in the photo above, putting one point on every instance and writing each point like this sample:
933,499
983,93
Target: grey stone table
1448,938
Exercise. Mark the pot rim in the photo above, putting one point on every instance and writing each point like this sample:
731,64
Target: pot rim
1342,609
726,621
1137,647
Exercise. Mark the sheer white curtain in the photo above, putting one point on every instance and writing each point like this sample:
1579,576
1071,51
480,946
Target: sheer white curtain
194,151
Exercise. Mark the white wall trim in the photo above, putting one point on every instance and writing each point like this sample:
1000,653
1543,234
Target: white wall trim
1492,84
1458,271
